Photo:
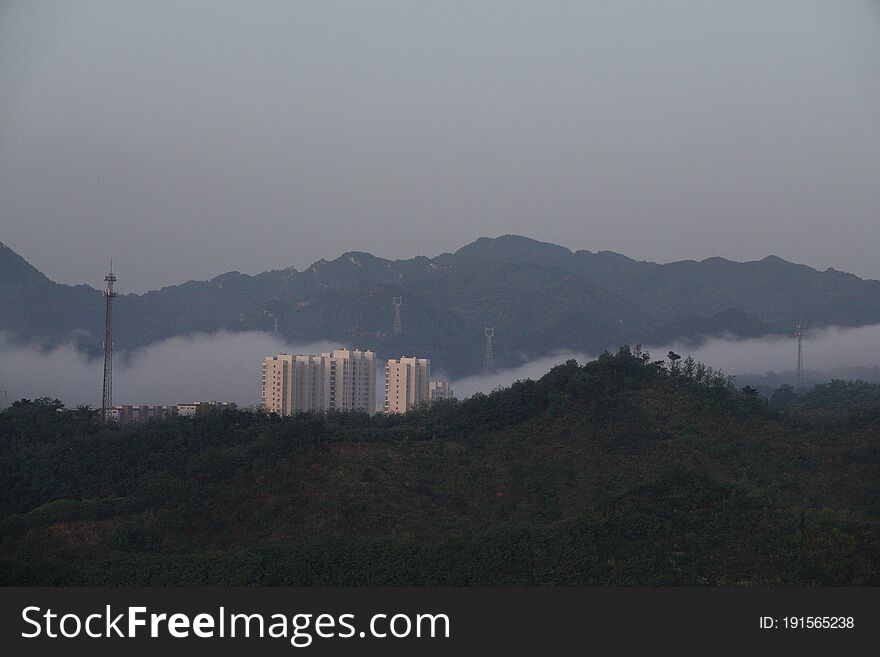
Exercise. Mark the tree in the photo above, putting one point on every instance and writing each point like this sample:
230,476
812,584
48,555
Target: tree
673,362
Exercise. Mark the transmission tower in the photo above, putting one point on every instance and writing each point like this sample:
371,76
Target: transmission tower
799,334
396,301
109,294
488,357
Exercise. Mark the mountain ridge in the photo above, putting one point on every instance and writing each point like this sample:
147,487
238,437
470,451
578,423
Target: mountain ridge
539,296
464,249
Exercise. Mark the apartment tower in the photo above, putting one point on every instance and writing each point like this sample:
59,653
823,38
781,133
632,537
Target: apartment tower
440,390
407,383
343,379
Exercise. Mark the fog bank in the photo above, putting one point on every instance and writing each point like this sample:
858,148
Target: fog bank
223,366
226,366
826,352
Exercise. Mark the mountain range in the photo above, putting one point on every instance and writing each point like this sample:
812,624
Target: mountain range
539,297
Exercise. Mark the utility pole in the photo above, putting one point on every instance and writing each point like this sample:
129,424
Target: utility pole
109,295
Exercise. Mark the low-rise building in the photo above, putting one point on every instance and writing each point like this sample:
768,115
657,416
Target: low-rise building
190,409
125,413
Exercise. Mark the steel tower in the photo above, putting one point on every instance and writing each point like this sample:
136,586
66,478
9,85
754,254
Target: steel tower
109,294
396,301
799,334
489,357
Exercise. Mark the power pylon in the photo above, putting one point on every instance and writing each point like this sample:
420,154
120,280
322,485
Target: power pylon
489,357
397,301
799,334
109,295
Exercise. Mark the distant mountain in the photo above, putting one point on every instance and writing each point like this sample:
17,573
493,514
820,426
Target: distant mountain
539,297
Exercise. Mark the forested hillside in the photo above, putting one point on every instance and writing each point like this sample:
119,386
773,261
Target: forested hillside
618,472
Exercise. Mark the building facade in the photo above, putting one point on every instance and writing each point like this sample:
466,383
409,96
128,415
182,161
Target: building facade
343,380
190,409
275,391
125,413
407,383
440,390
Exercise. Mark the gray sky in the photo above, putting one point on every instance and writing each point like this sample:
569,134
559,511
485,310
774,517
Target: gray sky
191,138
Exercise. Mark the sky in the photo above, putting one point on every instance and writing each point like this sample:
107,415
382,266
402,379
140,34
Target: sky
186,139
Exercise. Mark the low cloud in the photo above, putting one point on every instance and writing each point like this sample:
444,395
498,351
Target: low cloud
532,370
826,352
226,366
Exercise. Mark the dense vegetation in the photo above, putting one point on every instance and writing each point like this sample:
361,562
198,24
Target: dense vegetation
539,297
623,471
830,400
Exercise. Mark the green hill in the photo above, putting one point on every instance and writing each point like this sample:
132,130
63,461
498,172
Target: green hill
618,472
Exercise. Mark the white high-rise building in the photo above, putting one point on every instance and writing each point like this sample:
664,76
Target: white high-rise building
275,396
440,390
407,383
343,379
350,380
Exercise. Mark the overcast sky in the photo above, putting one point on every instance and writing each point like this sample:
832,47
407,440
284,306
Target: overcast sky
186,139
